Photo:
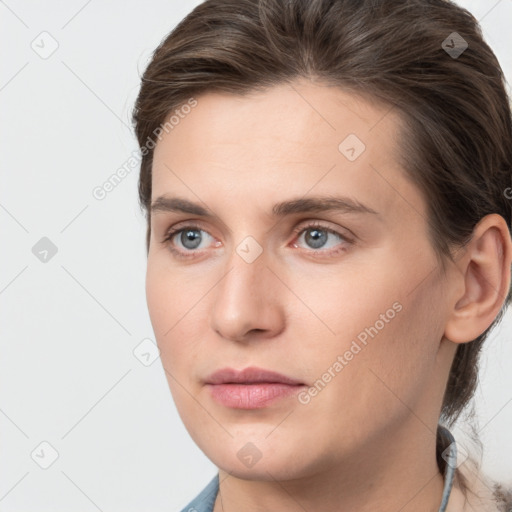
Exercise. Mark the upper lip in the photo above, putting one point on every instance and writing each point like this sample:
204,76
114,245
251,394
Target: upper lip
248,375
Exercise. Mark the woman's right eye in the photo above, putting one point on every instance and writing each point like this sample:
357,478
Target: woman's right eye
189,237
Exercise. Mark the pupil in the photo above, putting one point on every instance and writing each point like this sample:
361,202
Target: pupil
190,235
318,238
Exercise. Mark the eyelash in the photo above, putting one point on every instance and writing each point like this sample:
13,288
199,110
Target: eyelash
299,230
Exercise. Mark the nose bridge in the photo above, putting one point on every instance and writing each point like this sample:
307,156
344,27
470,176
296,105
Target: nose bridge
246,297
242,285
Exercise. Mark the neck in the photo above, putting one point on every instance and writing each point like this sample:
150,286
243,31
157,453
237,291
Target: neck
398,472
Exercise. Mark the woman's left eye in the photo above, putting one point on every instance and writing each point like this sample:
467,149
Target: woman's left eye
316,235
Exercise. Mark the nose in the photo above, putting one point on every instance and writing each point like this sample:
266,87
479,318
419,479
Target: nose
247,301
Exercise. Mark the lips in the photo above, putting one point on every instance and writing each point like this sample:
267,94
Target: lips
251,388
250,375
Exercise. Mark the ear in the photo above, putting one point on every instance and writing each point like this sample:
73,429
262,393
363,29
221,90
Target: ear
481,280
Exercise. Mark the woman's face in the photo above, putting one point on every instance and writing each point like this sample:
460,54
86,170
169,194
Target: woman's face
351,307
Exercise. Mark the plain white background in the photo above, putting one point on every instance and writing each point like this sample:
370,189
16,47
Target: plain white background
70,325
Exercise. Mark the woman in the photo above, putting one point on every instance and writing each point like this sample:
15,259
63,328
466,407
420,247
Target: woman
325,183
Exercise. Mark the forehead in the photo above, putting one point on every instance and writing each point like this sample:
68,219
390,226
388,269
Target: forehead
285,141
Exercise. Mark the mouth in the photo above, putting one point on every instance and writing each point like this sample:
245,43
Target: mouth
251,388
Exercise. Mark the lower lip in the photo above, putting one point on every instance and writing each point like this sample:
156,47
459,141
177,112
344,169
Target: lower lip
251,396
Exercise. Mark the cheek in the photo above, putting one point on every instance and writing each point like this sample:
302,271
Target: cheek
379,379
157,298
170,311
400,358
334,305
170,295
385,331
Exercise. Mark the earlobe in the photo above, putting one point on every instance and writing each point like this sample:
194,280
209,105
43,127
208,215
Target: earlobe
485,273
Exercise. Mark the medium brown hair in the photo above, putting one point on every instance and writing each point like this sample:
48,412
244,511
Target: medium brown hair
456,131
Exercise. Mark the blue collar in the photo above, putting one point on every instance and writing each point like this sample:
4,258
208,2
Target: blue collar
449,470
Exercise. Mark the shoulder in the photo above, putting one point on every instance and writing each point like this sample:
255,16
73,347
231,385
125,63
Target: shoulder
205,500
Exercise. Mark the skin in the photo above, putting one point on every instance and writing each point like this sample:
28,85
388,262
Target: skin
366,442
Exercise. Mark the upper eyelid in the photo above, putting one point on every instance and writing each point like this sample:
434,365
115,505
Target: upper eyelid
325,223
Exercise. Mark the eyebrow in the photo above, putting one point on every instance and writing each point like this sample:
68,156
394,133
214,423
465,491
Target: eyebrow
301,205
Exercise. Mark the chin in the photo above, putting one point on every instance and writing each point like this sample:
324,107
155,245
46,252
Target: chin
251,461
